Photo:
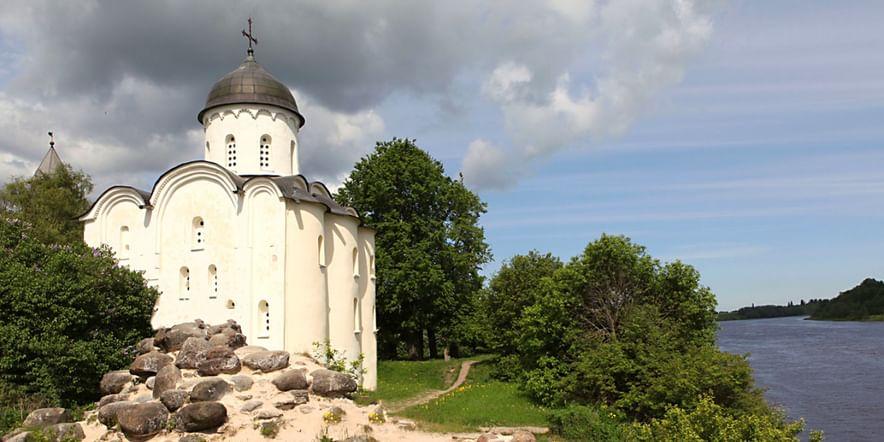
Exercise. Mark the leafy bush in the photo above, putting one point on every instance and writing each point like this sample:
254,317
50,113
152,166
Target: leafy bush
709,421
66,314
335,360
580,423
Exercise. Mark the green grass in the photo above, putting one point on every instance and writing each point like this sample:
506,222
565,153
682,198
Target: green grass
481,401
401,380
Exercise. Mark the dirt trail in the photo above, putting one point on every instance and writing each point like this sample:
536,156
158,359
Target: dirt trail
427,397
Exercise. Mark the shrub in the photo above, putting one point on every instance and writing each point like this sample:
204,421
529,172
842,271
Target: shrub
709,421
66,314
580,422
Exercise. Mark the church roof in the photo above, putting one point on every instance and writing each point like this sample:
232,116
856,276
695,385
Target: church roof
250,83
296,188
51,161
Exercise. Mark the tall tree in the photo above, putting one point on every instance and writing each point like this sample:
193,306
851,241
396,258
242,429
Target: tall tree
429,244
50,202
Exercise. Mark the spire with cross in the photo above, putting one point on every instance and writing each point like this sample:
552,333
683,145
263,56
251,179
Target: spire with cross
51,160
250,37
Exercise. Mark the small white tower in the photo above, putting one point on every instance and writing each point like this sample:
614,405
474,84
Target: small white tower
251,121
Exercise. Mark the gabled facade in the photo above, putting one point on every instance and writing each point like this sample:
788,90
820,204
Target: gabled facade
241,235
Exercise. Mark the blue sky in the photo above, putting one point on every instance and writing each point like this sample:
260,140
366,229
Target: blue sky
753,150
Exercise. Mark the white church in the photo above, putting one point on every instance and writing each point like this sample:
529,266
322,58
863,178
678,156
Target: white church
243,235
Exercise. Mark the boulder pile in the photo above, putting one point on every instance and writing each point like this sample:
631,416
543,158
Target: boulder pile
190,378
195,382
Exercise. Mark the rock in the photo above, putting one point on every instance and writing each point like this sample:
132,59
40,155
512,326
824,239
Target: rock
305,410
360,438
242,382
107,414
268,413
149,364
171,339
145,346
21,436
330,383
229,325
150,381
111,398
201,416
44,417
284,402
228,338
188,356
192,438
143,398
217,360
406,425
167,378
291,380
244,397
300,396
64,432
266,361
115,381
143,420
248,349
251,405
174,399
523,436
209,390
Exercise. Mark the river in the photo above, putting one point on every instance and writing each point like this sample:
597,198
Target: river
829,373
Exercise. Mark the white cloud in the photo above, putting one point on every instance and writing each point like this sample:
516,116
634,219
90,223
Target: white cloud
645,49
332,142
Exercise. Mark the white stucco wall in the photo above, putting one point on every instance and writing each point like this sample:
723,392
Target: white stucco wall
343,285
368,337
248,124
307,289
262,247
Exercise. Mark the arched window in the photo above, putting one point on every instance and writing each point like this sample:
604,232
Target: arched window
371,265
374,318
357,321
230,304
355,263
207,147
264,319
321,252
231,151
123,253
198,233
293,157
184,284
264,152
214,285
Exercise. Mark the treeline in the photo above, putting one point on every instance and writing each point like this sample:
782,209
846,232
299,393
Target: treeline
864,302
771,311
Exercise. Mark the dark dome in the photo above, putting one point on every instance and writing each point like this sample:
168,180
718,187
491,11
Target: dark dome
250,84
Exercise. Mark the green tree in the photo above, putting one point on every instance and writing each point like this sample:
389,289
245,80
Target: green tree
514,287
67,312
615,327
429,244
49,202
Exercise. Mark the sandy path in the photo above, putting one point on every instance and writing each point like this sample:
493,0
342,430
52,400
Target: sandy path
427,397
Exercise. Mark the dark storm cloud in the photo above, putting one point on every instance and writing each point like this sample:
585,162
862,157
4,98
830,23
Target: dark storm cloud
122,81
